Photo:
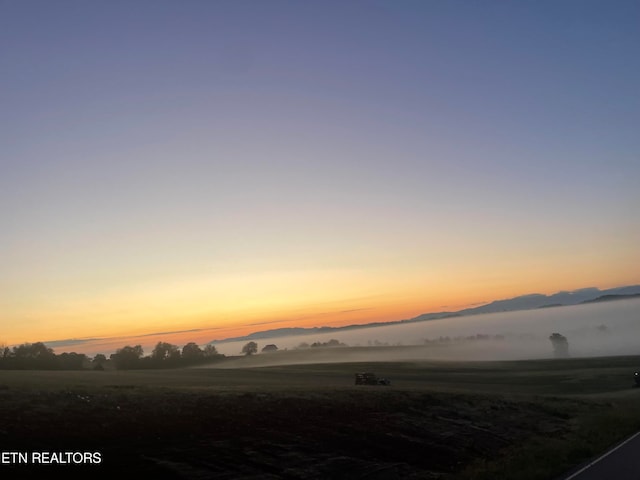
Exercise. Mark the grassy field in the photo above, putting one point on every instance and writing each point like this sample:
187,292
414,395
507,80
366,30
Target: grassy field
438,420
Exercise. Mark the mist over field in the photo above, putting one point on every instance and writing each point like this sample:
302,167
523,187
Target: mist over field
598,329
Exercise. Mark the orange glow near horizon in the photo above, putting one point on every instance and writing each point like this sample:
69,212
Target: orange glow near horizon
286,292
205,309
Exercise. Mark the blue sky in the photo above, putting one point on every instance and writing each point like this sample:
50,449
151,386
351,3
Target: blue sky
405,154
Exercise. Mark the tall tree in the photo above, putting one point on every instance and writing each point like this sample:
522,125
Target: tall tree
560,345
191,352
250,348
127,357
34,355
98,361
164,352
210,351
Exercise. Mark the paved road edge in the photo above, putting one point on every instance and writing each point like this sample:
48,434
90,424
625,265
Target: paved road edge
601,457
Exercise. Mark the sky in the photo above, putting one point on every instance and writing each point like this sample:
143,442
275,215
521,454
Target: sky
231,166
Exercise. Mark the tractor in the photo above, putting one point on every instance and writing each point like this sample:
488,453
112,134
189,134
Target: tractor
370,379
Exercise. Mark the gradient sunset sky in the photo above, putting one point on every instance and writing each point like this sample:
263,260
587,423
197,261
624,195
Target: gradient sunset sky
243,165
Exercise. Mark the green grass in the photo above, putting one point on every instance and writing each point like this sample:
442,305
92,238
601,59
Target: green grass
587,376
594,427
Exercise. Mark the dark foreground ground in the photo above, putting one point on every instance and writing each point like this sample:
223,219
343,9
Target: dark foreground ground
437,421
267,435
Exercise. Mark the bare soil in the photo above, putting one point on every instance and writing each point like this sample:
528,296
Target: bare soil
367,432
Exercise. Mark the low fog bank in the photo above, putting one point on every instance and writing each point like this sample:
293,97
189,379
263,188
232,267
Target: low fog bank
490,350
599,329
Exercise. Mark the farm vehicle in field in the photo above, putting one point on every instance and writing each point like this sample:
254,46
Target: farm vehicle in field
370,379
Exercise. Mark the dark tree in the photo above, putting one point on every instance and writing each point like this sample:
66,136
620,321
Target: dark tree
99,359
127,357
210,351
71,361
191,353
250,348
34,355
165,352
560,345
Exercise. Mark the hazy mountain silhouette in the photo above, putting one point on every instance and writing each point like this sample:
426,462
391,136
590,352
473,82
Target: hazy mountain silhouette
523,302
608,298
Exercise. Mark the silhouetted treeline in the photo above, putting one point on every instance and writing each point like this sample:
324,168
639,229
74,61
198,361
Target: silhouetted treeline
331,343
164,355
37,356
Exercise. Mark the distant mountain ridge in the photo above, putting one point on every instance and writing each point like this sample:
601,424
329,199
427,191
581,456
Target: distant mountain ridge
537,300
608,298
523,302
